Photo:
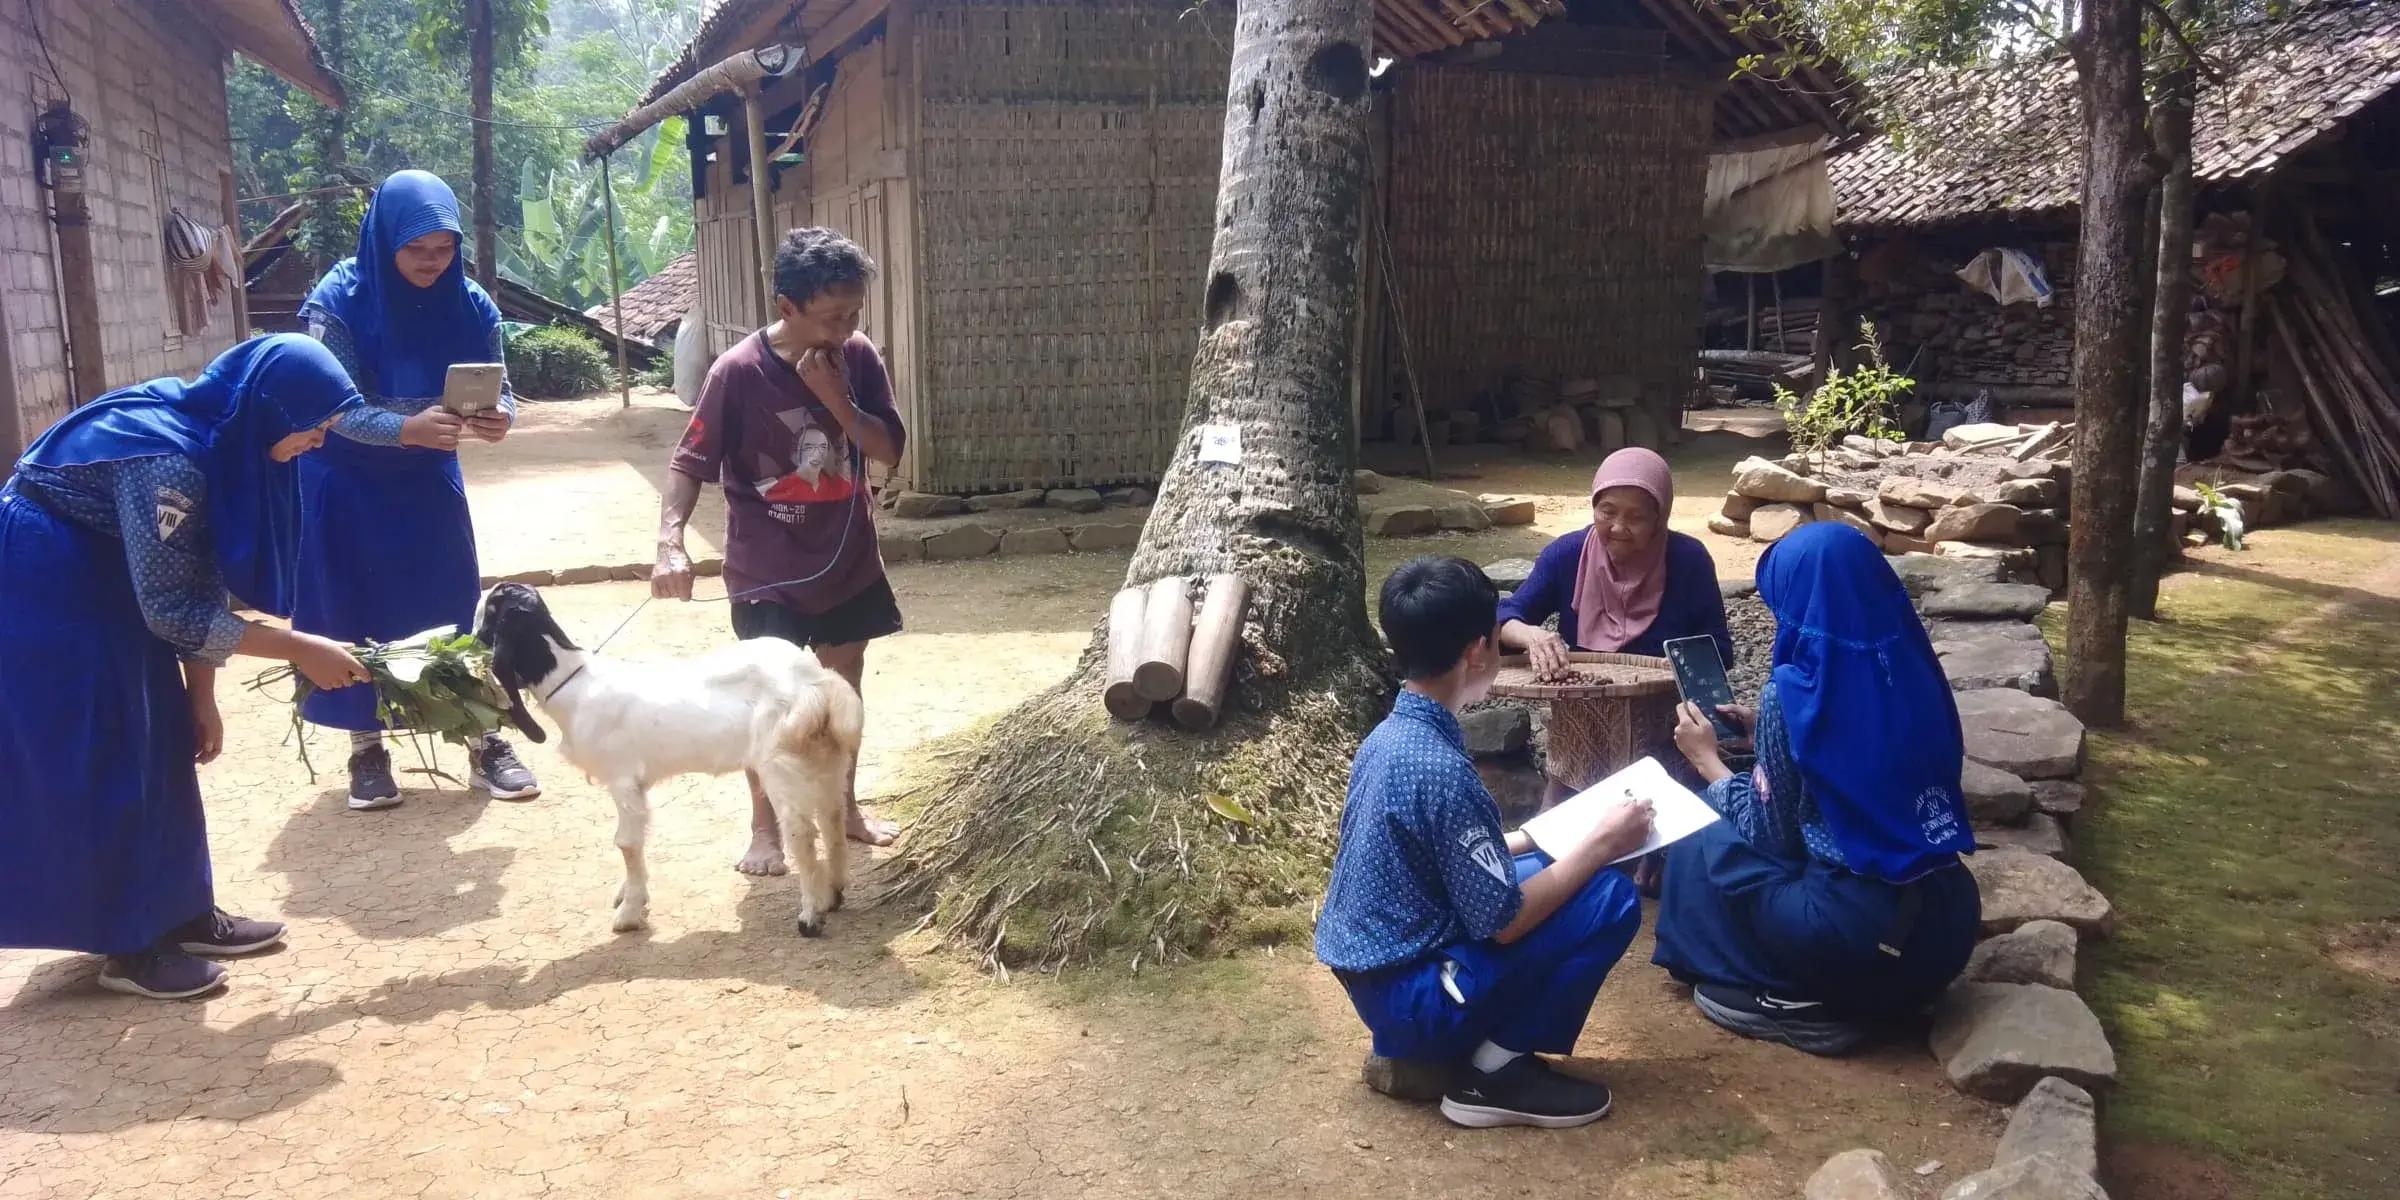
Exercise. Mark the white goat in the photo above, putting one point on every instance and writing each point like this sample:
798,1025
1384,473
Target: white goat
764,706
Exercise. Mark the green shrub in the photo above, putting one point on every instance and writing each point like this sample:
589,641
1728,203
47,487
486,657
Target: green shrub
556,362
1862,401
659,374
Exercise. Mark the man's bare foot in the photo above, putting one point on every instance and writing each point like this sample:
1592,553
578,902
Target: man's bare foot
765,856
874,831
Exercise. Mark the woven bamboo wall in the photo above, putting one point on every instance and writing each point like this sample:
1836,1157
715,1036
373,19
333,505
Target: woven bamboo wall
1067,169
1548,223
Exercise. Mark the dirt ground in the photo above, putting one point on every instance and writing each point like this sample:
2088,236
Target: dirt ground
452,1016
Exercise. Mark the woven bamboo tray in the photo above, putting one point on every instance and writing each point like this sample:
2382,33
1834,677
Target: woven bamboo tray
1618,710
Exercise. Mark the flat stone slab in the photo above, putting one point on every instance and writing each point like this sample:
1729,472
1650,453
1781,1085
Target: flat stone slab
2040,834
1923,573
1101,536
2040,952
1774,522
2061,798
1998,1040
1994,797
1037,540
1509,574
1760,479
1075,500
2039,1178
1974,664
2020,887
1497,731
1465,516
2058,1119
900,547
1507,513
1959,629
1856,1175
1402,521
2025,735
1987,601
1005,501
966,541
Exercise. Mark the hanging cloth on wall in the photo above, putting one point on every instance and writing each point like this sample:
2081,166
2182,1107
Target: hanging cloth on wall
1768,209
2009,276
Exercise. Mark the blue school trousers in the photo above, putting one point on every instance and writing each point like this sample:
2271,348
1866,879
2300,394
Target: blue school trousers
1533,995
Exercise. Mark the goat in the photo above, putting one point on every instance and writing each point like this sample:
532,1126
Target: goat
765,705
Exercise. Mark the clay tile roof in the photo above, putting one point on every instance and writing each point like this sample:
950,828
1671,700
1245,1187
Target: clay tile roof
656,302
1997,143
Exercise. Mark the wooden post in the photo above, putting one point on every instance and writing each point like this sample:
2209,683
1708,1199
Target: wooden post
1125,701
79,286
762,202
1214,640
479,100
1750,328
1166,639
12,429
2247,324
616,278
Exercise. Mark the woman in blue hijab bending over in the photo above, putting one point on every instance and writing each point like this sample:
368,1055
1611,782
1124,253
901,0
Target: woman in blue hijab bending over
122,532
388,550
1831,898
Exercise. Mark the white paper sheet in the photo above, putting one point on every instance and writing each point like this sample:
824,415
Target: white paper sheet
1676,812
1221,444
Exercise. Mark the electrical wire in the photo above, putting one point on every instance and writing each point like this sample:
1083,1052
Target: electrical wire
34,19
494,122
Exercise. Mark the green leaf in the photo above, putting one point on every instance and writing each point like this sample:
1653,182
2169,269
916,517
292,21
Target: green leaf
1227,807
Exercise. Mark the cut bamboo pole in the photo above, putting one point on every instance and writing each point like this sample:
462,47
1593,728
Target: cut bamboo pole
1166,639
1125,702
1214,640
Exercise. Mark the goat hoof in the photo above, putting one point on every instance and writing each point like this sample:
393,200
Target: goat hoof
836,906
628,922
810,927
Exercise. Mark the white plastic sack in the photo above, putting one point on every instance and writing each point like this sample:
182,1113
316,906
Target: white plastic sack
2008,276
691,357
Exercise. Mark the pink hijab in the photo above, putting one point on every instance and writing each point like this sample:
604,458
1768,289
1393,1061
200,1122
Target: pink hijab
1615,602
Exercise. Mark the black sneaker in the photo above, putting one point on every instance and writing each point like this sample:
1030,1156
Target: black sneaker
497,771
371,783
161,975
1527,1091
221,934
1801,1024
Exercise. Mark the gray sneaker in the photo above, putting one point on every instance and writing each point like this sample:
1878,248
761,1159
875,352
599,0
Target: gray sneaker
371,783
497,771
161,975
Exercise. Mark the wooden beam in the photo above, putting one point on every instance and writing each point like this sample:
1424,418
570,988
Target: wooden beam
829,39
762,201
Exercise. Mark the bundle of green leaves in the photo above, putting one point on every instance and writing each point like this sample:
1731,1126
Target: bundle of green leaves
437,684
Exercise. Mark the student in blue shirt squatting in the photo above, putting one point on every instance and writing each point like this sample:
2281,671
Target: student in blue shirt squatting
1462,947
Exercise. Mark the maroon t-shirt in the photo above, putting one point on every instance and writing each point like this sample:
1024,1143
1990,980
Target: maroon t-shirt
799,518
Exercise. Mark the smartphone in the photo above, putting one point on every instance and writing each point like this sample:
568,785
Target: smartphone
472,388
1700,675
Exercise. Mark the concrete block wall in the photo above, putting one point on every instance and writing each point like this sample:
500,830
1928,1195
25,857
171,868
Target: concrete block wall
150,81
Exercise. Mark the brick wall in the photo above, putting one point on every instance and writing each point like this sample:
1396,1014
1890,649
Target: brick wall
150,81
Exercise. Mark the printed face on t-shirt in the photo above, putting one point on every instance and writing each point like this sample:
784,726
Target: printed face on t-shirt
817,472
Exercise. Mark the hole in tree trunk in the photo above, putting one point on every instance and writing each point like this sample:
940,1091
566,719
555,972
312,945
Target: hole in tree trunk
1338,70
1258,99
1224,297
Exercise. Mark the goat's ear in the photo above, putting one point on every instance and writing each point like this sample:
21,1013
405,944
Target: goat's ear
522,719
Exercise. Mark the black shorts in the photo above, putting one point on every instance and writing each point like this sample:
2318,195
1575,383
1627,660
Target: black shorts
871,614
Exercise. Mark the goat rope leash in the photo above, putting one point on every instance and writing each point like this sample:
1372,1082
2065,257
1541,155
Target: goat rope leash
858,467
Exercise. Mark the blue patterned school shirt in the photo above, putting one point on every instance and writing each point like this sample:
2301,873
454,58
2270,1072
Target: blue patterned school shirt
157,506
378,421
1423,863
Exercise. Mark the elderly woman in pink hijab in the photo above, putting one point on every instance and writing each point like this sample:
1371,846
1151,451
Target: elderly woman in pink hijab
1625,585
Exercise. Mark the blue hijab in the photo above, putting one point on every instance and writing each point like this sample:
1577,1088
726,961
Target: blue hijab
252,397
1866,707
407,336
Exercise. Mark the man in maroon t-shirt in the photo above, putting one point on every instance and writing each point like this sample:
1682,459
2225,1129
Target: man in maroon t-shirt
786,423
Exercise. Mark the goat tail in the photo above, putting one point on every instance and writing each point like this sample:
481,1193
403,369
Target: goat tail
827,711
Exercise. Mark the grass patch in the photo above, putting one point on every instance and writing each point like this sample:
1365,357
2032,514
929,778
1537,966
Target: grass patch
2244,828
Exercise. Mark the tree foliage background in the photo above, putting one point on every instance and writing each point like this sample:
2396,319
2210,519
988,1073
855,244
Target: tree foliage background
564,68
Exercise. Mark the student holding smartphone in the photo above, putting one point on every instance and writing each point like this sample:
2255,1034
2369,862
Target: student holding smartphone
387,549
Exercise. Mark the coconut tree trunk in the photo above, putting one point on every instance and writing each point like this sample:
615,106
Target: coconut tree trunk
1099,837
487,199
2162,438
2112,330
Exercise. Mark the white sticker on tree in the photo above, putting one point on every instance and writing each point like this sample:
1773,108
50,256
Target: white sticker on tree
1221,444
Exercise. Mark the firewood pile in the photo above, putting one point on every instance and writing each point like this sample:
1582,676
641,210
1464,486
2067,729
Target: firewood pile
1963,335
2349,368
2270,441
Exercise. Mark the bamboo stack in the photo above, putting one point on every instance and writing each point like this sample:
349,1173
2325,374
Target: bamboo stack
2349,368
1160,655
